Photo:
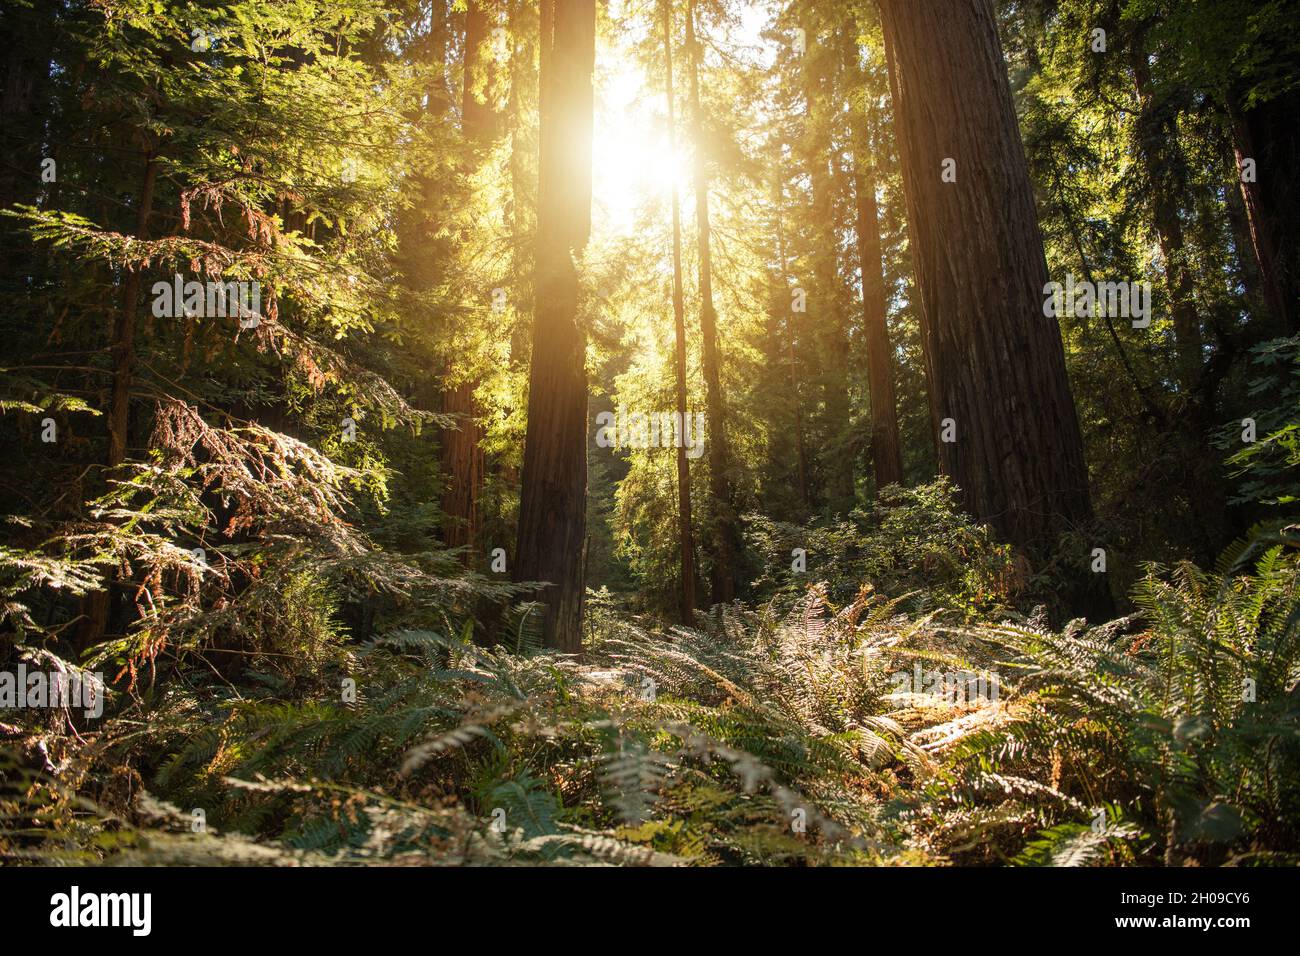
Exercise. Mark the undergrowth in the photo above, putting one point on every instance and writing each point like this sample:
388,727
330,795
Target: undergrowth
767,735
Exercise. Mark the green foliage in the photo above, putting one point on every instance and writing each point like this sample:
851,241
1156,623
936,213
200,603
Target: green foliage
1188,731
911,543
1269,467
1105,746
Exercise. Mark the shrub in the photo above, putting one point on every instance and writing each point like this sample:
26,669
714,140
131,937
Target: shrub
910,541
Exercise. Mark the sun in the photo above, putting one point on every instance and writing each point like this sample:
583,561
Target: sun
633,161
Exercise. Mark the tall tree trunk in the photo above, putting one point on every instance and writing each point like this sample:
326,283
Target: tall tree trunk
463,462
552,506
462,449
886,456
686,538
97,605
784,307
726,537
829,322
123,347
886,451
523,31
1264,301
1266,135
477,116
995,364
1158,143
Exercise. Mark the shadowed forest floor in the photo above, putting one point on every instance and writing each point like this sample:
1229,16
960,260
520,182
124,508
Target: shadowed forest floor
791,733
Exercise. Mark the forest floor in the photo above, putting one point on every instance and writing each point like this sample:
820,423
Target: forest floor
797,731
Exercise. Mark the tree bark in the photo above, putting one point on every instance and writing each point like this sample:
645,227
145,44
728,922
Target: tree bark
686,538
726,537
524,20
96,607
784,307
829,322
552,507
995,363
477,116
1266,134
462,451
464,464
886,455
123,347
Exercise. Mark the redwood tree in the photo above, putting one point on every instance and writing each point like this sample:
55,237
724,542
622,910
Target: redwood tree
552,506
782,306
995,363
686,538
1164,163
827,317
886,455
726,536
97,605
462,451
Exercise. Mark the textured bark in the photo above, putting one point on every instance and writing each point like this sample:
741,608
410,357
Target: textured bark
523,30
726,536
478,119
1267,134
463,461
995,364
1248,264
886,455
686,538
462,452
552,507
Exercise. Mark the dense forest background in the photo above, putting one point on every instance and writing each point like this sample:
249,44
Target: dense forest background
334,333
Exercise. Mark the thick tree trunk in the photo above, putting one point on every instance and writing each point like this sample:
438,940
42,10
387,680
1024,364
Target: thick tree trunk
1267,135
995,364
726,537
523,30
463,461
886,456
686,538
477,116
552,507
1264,294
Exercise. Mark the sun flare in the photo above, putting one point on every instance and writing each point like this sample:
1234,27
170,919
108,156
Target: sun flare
633,157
